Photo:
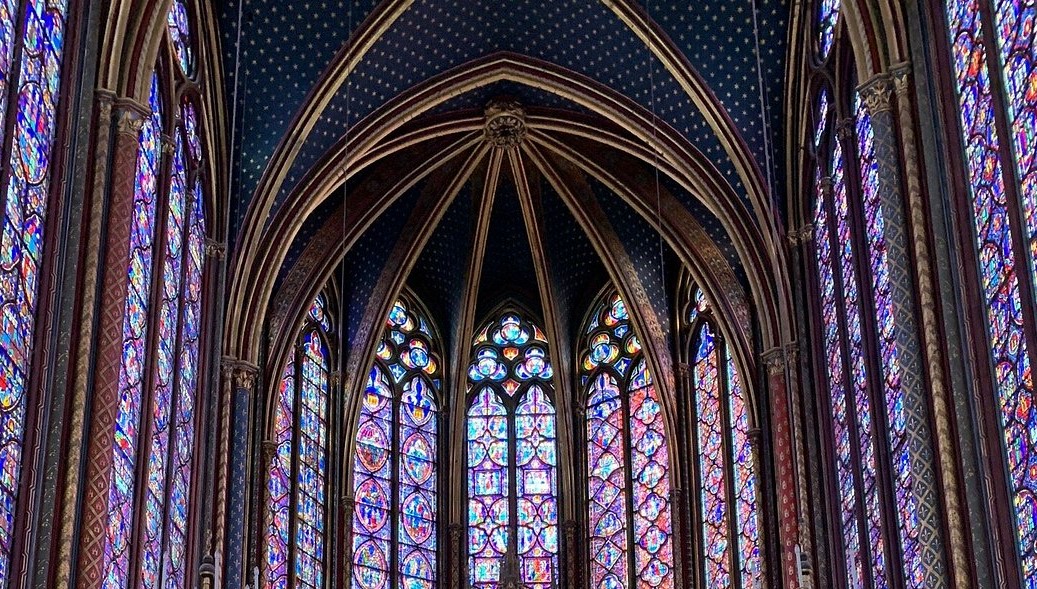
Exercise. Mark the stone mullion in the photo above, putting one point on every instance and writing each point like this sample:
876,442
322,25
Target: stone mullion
876,96
930,332
128,120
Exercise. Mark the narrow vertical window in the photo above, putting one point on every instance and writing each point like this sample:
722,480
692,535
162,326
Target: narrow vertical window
395,480
512,457
32,70
628,486
297,471
726,485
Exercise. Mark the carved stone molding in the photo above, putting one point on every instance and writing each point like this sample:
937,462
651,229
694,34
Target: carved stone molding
269,448
335,379
505,123
168,144
877,94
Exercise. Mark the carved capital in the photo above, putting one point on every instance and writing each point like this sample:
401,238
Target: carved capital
792,353
684,370
901,76
215,249
105,99
505,122
241,374
877,94
269,448
774,359
168,144
128,122
335,379
755,436
802,235
845,128
348,506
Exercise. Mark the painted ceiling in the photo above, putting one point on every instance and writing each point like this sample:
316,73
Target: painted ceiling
276,51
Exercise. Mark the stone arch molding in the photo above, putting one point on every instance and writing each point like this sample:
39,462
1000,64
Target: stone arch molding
756,231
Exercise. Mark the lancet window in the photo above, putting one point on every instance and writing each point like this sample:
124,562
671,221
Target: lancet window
993,60
297,517
630,521
395,471
31,68
154,441
512,457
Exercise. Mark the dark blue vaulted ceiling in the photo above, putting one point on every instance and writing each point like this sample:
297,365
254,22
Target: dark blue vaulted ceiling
287,44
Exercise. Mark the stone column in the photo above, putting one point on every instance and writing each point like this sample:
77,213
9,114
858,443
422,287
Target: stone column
458,557
876,95
785,477
348,509
930,332
572,559
128,119
243,387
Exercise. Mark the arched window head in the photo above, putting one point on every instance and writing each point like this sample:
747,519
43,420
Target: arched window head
628,482
996,114
512,457
827,19
727,477
297,486
395,480
179,23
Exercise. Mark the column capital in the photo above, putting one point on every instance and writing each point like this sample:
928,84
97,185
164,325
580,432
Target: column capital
802,235
215,249
775,361
168,144
845,129
128,122
901,76
241,373
877,94
269,447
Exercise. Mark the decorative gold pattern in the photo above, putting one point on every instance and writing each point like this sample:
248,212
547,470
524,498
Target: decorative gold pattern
505,123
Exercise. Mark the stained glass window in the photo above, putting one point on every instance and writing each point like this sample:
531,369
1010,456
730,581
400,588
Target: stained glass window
628,484
297,504
512,457
992,79
828,17
394,473
180,33
28,176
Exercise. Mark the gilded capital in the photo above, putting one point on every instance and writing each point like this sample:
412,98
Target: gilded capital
241,374
877,94
901,76
128,122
